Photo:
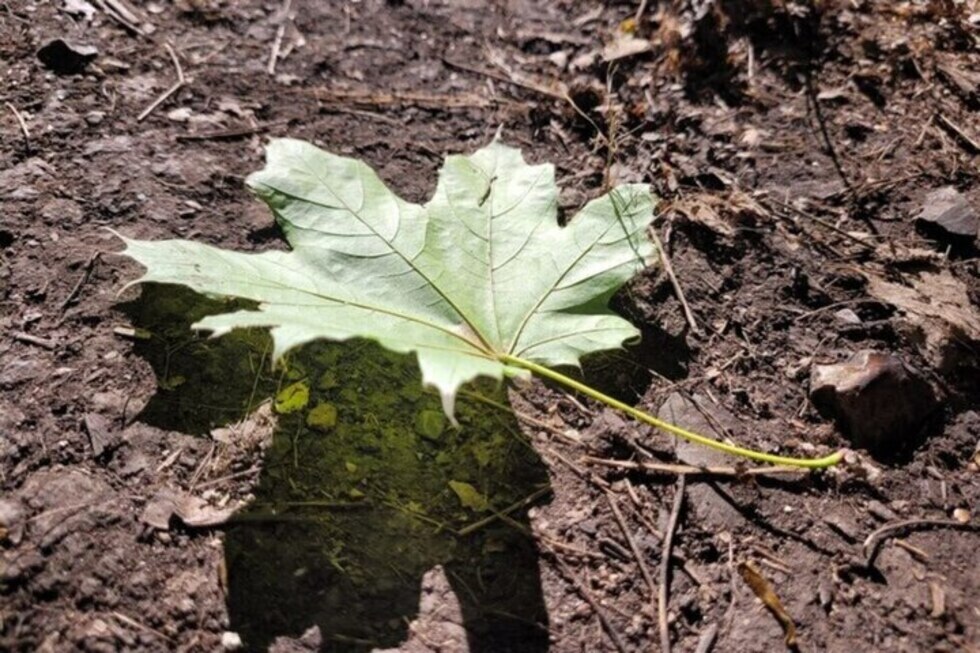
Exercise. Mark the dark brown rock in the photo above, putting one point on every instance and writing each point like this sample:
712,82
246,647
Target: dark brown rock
879,402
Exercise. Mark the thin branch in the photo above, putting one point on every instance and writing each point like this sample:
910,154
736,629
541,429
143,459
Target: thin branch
23,126
664,596
872,545
831,151
647,578
669,270
277,42
181,81
607,625
684,470
517,505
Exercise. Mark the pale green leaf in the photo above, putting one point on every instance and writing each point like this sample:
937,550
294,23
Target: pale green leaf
482,270
469,496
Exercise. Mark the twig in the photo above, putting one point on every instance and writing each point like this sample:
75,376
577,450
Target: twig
669,269
223,134
872,545
954,130
647,578
170,91
822,223
585,594
421,99
844,302
507,79
664,595
73,295
129,621
517,505
230,477
122,15
33,340
684,470
831,151
533,421
23,126
639,12
653,530
277,42
707,640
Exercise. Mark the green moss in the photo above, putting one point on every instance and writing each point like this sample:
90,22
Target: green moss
430,424
344,526
323,417
292,398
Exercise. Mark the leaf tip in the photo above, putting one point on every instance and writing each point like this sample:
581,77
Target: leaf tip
448,398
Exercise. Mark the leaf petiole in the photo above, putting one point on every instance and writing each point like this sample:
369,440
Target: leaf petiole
548,373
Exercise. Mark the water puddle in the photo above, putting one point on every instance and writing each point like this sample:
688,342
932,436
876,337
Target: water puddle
365,487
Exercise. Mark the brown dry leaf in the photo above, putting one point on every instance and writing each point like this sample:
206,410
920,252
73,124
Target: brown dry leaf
767,595
937,305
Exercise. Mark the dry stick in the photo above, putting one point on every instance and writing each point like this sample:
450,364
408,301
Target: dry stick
230,477
954,130
170,91
872,545
822,223
681,470
517,505
422,99
34,340
122,15
639,12
23,126
129,621
277,42
669,269
506,79
707,640
533,421
825,133
663,598
550,541
89,265
584,593
531,86
632,544
653,530
231,133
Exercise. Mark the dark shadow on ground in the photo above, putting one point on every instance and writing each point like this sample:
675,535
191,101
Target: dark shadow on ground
356,500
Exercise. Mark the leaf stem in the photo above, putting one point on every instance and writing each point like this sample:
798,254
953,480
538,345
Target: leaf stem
752,454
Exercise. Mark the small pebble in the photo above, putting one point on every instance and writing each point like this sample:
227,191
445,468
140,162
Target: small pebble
231,641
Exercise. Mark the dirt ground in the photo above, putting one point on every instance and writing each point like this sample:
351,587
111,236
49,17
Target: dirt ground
792,145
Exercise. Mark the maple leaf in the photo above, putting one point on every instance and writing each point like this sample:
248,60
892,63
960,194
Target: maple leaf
477,278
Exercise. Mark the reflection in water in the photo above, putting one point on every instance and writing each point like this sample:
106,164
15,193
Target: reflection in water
363,490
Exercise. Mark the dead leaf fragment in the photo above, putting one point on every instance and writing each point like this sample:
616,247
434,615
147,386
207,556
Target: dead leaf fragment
762,589
253,432
625,46
192,511
101,434
938,306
